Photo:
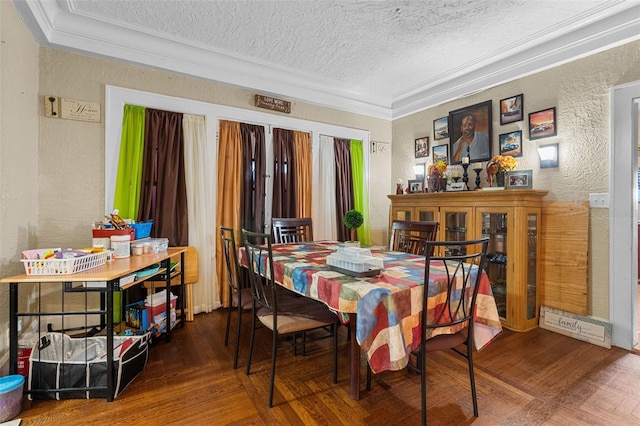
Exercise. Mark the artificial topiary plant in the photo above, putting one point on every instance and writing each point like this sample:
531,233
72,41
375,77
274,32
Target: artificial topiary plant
353,219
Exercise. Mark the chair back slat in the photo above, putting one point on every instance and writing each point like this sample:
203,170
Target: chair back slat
292,230
462,278
260,268
411,236
230,256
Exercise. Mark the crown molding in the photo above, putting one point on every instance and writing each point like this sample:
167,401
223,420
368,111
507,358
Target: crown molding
56,27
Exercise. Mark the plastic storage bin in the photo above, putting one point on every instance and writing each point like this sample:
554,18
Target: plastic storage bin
354,259
143,229
156,245
156,305
10,396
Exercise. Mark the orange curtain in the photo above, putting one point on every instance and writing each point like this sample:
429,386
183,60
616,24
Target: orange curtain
303,164
229,195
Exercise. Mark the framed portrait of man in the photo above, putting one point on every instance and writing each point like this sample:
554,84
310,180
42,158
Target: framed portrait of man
470,134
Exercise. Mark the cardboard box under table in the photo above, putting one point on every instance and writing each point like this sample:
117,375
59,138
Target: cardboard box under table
64,368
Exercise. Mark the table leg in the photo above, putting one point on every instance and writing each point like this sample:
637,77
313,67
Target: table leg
355,359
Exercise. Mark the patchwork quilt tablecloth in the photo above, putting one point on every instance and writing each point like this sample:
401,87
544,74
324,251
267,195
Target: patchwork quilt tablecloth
388,306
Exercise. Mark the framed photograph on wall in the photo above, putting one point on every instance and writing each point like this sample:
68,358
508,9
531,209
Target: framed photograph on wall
416,186
422,147
440,152
441,128
511,109
519,179
511,143
470,133
542,124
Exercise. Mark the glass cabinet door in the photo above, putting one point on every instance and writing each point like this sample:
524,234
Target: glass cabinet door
425,214
455,226
401,213
494,226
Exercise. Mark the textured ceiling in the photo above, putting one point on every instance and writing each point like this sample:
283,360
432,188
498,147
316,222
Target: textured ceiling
375,56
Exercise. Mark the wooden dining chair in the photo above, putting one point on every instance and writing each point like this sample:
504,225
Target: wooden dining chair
239,291
292,230
411,236
455,308
284,316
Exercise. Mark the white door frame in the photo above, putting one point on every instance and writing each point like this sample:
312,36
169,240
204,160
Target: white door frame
623,215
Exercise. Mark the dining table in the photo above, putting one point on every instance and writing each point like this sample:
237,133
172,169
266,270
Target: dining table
383,310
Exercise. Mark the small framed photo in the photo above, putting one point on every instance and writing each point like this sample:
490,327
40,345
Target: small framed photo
542,124
416,186
440,152
511,109
422,147
519,179
511,143
441,128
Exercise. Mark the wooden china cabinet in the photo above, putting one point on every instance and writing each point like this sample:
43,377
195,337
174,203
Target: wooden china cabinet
511,218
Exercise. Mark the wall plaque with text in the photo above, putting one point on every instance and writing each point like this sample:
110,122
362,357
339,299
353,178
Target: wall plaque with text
273,104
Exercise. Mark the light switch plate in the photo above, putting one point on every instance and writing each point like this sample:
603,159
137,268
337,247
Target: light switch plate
599,200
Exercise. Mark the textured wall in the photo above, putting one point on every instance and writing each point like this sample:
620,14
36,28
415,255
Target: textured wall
18,151
580,92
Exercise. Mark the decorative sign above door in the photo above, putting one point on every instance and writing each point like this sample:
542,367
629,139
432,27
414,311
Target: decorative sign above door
273,104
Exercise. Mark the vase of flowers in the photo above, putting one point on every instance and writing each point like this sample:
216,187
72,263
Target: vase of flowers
436,180
498,167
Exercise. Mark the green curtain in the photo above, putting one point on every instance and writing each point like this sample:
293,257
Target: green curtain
128,179
360,197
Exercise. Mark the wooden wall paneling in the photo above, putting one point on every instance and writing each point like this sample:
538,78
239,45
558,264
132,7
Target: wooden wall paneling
564,255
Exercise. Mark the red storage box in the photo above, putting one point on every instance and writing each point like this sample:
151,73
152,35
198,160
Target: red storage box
107,233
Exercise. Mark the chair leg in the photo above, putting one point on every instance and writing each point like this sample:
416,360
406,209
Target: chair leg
423,388
335,353
238,324
226,333
274,351
472,379
253,331
368,377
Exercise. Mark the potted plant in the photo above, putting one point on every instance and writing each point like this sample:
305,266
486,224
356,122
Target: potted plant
353,219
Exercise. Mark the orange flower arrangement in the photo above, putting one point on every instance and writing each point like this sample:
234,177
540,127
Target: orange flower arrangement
505,163
437,169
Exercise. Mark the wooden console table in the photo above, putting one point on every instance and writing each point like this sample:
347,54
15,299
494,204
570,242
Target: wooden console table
111,272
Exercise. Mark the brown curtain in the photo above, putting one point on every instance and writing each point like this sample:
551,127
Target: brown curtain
230,175
344,186
163,196
284,174
303,167
252,207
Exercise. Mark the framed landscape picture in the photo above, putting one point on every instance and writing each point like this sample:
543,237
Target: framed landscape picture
511,143
511,109
441,128
542,124
440,152
422,147
470,133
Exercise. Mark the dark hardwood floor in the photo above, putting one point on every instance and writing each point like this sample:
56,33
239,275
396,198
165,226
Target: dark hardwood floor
533,378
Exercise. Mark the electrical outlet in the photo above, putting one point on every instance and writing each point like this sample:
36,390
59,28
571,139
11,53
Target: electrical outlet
599,201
